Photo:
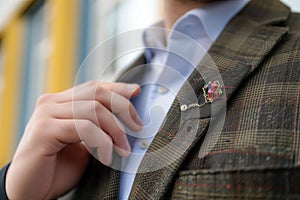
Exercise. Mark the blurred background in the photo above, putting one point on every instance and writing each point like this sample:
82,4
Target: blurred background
44,42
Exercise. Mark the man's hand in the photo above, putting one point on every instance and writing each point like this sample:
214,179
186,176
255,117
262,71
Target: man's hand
51,157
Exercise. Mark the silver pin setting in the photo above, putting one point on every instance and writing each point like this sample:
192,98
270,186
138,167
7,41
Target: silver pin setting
211,92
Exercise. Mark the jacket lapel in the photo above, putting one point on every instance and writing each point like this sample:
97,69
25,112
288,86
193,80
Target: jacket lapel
238,52
113,182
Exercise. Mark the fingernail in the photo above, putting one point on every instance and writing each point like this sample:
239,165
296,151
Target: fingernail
105,159
125,149
138,121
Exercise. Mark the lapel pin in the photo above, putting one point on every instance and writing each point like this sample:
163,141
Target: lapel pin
211,92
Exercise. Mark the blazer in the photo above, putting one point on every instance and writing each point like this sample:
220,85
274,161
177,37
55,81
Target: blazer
257,153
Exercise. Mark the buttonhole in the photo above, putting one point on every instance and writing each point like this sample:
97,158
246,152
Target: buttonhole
190,128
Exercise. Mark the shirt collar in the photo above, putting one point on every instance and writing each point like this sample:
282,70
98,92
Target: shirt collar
216,15
212,18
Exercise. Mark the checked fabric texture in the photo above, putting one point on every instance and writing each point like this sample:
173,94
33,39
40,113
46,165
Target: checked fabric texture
257,155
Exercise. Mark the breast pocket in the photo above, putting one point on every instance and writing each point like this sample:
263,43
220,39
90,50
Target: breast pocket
241,174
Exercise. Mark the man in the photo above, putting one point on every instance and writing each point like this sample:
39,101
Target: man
257,155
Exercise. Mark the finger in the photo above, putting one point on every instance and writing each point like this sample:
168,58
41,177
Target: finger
121,106
76,131
115,103
96,113
107,97
124,89
103,156
90,89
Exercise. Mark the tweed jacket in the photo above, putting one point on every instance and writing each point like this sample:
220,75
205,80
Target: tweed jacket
257,153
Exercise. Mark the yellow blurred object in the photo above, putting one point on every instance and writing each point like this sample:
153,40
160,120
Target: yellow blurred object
64,34
64,30
12,43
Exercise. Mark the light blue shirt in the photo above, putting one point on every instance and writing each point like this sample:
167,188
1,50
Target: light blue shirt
171,61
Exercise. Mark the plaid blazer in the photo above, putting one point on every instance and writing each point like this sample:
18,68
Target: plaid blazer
257,154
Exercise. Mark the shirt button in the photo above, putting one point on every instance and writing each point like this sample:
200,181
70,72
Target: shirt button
162,90
144,144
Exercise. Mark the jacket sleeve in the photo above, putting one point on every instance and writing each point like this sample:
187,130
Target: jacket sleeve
3,195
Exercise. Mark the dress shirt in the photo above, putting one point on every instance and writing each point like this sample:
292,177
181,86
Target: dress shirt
169,64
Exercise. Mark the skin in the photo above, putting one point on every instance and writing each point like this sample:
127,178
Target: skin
174,9
51,158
